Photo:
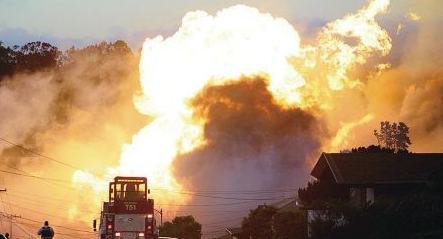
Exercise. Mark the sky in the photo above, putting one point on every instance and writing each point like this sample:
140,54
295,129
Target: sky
82,22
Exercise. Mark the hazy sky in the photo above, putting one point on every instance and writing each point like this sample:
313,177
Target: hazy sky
66,22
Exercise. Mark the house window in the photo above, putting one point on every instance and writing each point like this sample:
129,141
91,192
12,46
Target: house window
361,196
369,195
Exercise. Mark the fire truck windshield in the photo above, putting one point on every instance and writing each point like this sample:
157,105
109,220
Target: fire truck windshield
130,190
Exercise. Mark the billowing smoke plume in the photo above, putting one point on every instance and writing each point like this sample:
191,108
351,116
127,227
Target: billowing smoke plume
79,113
407,88
252,141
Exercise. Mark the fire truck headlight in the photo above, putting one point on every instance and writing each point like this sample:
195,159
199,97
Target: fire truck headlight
150,215
141,235
118,234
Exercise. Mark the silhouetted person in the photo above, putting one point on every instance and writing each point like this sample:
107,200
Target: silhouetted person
46,232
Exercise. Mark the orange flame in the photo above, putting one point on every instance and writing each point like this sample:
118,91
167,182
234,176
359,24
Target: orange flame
212,50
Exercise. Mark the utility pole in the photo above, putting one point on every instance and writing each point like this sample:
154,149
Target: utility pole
161,215
10,216
1,191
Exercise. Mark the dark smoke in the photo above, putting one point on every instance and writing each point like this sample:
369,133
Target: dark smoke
252,142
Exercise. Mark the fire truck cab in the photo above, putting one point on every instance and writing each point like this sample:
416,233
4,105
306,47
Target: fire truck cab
128,214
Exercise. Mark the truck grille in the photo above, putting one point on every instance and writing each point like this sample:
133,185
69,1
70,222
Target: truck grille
129,222
129,235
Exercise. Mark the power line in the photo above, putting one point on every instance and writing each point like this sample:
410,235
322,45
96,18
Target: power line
224,221
60,233
239,191
205,212
32,176
43,213
48,180
219,197
64,227
40,203
172,191
46,157
205,205
45,197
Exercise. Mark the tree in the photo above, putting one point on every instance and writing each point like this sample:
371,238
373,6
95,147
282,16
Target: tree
84,72
184,227
7,63
372,149
393,136
289,225
320,191
402,139
36,56
258,224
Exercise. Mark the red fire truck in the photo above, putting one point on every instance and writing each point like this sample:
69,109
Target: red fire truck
128,214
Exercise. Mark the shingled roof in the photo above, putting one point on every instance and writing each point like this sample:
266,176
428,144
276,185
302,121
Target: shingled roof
350,168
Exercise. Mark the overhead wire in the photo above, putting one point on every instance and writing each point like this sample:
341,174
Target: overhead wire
197,193
57,232
44,213
44,203
172,191
47,180
33,176
219,197
191,192
47,157
60,226
46,197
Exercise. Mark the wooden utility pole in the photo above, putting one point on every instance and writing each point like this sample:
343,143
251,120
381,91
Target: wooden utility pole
1,191
161,215
10,216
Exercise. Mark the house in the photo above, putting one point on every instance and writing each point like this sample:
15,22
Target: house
231,233
369,177
286,204
372,176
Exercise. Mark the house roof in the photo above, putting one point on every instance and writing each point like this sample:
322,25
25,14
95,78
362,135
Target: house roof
350,168
224,237
284,202
289,206
234,230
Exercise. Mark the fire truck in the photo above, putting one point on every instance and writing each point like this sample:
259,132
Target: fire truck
128,214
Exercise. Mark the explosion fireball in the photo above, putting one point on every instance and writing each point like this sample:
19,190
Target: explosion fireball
217,50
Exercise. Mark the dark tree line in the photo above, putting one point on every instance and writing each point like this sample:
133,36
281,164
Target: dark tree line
266,222
31,57
38,56
184,227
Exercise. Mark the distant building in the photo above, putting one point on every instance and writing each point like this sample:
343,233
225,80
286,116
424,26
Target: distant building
372,176
232,233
